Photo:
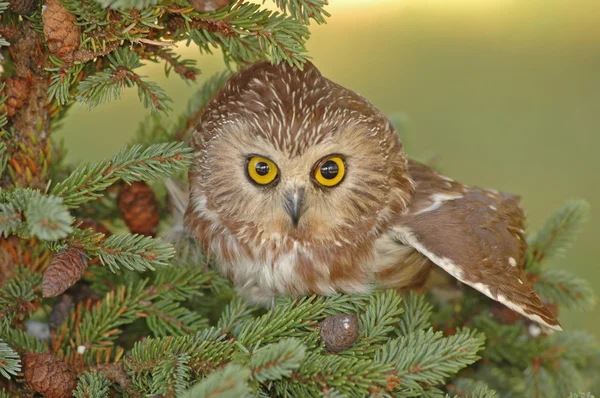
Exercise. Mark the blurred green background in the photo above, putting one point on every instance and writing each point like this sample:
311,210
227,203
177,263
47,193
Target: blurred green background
504,93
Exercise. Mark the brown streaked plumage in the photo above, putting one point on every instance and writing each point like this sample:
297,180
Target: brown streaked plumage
300,186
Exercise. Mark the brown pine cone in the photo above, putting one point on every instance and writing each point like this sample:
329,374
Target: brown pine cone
48,375
65,269
339,332
139,207
60,30
22,7
16,90
208,5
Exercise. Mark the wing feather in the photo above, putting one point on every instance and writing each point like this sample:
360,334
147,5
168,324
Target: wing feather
474,234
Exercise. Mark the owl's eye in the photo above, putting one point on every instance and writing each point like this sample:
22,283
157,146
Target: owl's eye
330,171
261,170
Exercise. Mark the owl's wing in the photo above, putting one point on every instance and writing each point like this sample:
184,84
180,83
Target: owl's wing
474,234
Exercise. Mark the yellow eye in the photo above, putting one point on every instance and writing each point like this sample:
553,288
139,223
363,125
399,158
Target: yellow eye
261,170
330,171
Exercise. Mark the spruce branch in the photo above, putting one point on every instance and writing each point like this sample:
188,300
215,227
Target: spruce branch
18,293
112,81
10,363
246,33
88,181
126,4
237,312
305,10
347,375
185,68
565,289
134,252
427,358
154,129
558,233
207,350
47,218
416,315
377,322
276,361
92,385
171,378
28,212
229,382
10,219
19,340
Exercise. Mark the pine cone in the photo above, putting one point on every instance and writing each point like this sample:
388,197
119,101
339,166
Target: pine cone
208,5
60,30
339,332
139,207
22,7
48,375
65,269
16,90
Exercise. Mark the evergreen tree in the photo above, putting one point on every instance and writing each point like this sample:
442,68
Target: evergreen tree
93,303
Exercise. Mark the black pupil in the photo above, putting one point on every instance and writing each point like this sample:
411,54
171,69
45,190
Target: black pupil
262,169
329,170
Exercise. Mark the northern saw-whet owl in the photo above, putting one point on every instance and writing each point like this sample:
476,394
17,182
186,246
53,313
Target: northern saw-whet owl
300,186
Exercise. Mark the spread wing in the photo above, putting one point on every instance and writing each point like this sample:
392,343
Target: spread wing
474,234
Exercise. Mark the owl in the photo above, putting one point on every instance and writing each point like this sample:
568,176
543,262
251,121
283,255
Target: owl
299,186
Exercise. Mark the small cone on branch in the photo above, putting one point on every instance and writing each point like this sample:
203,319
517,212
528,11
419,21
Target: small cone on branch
209,5
22,7
339,332
60,29
16,90
65,269
48,375
139,208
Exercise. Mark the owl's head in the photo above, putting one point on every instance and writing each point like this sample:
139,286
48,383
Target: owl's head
286,153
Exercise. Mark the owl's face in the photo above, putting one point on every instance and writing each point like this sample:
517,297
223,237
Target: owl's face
279,159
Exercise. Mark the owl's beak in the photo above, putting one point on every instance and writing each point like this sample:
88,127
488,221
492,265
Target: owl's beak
294,204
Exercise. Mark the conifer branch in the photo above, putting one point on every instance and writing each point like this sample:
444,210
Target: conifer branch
278,360
381,315
126,4
10,363
112,81
92,385
171,377
558,233
157,161
416,315
185,68
305,10
133,252
19,340
18,293
426,358
347,375
29,213
229,382
246,33
565,289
